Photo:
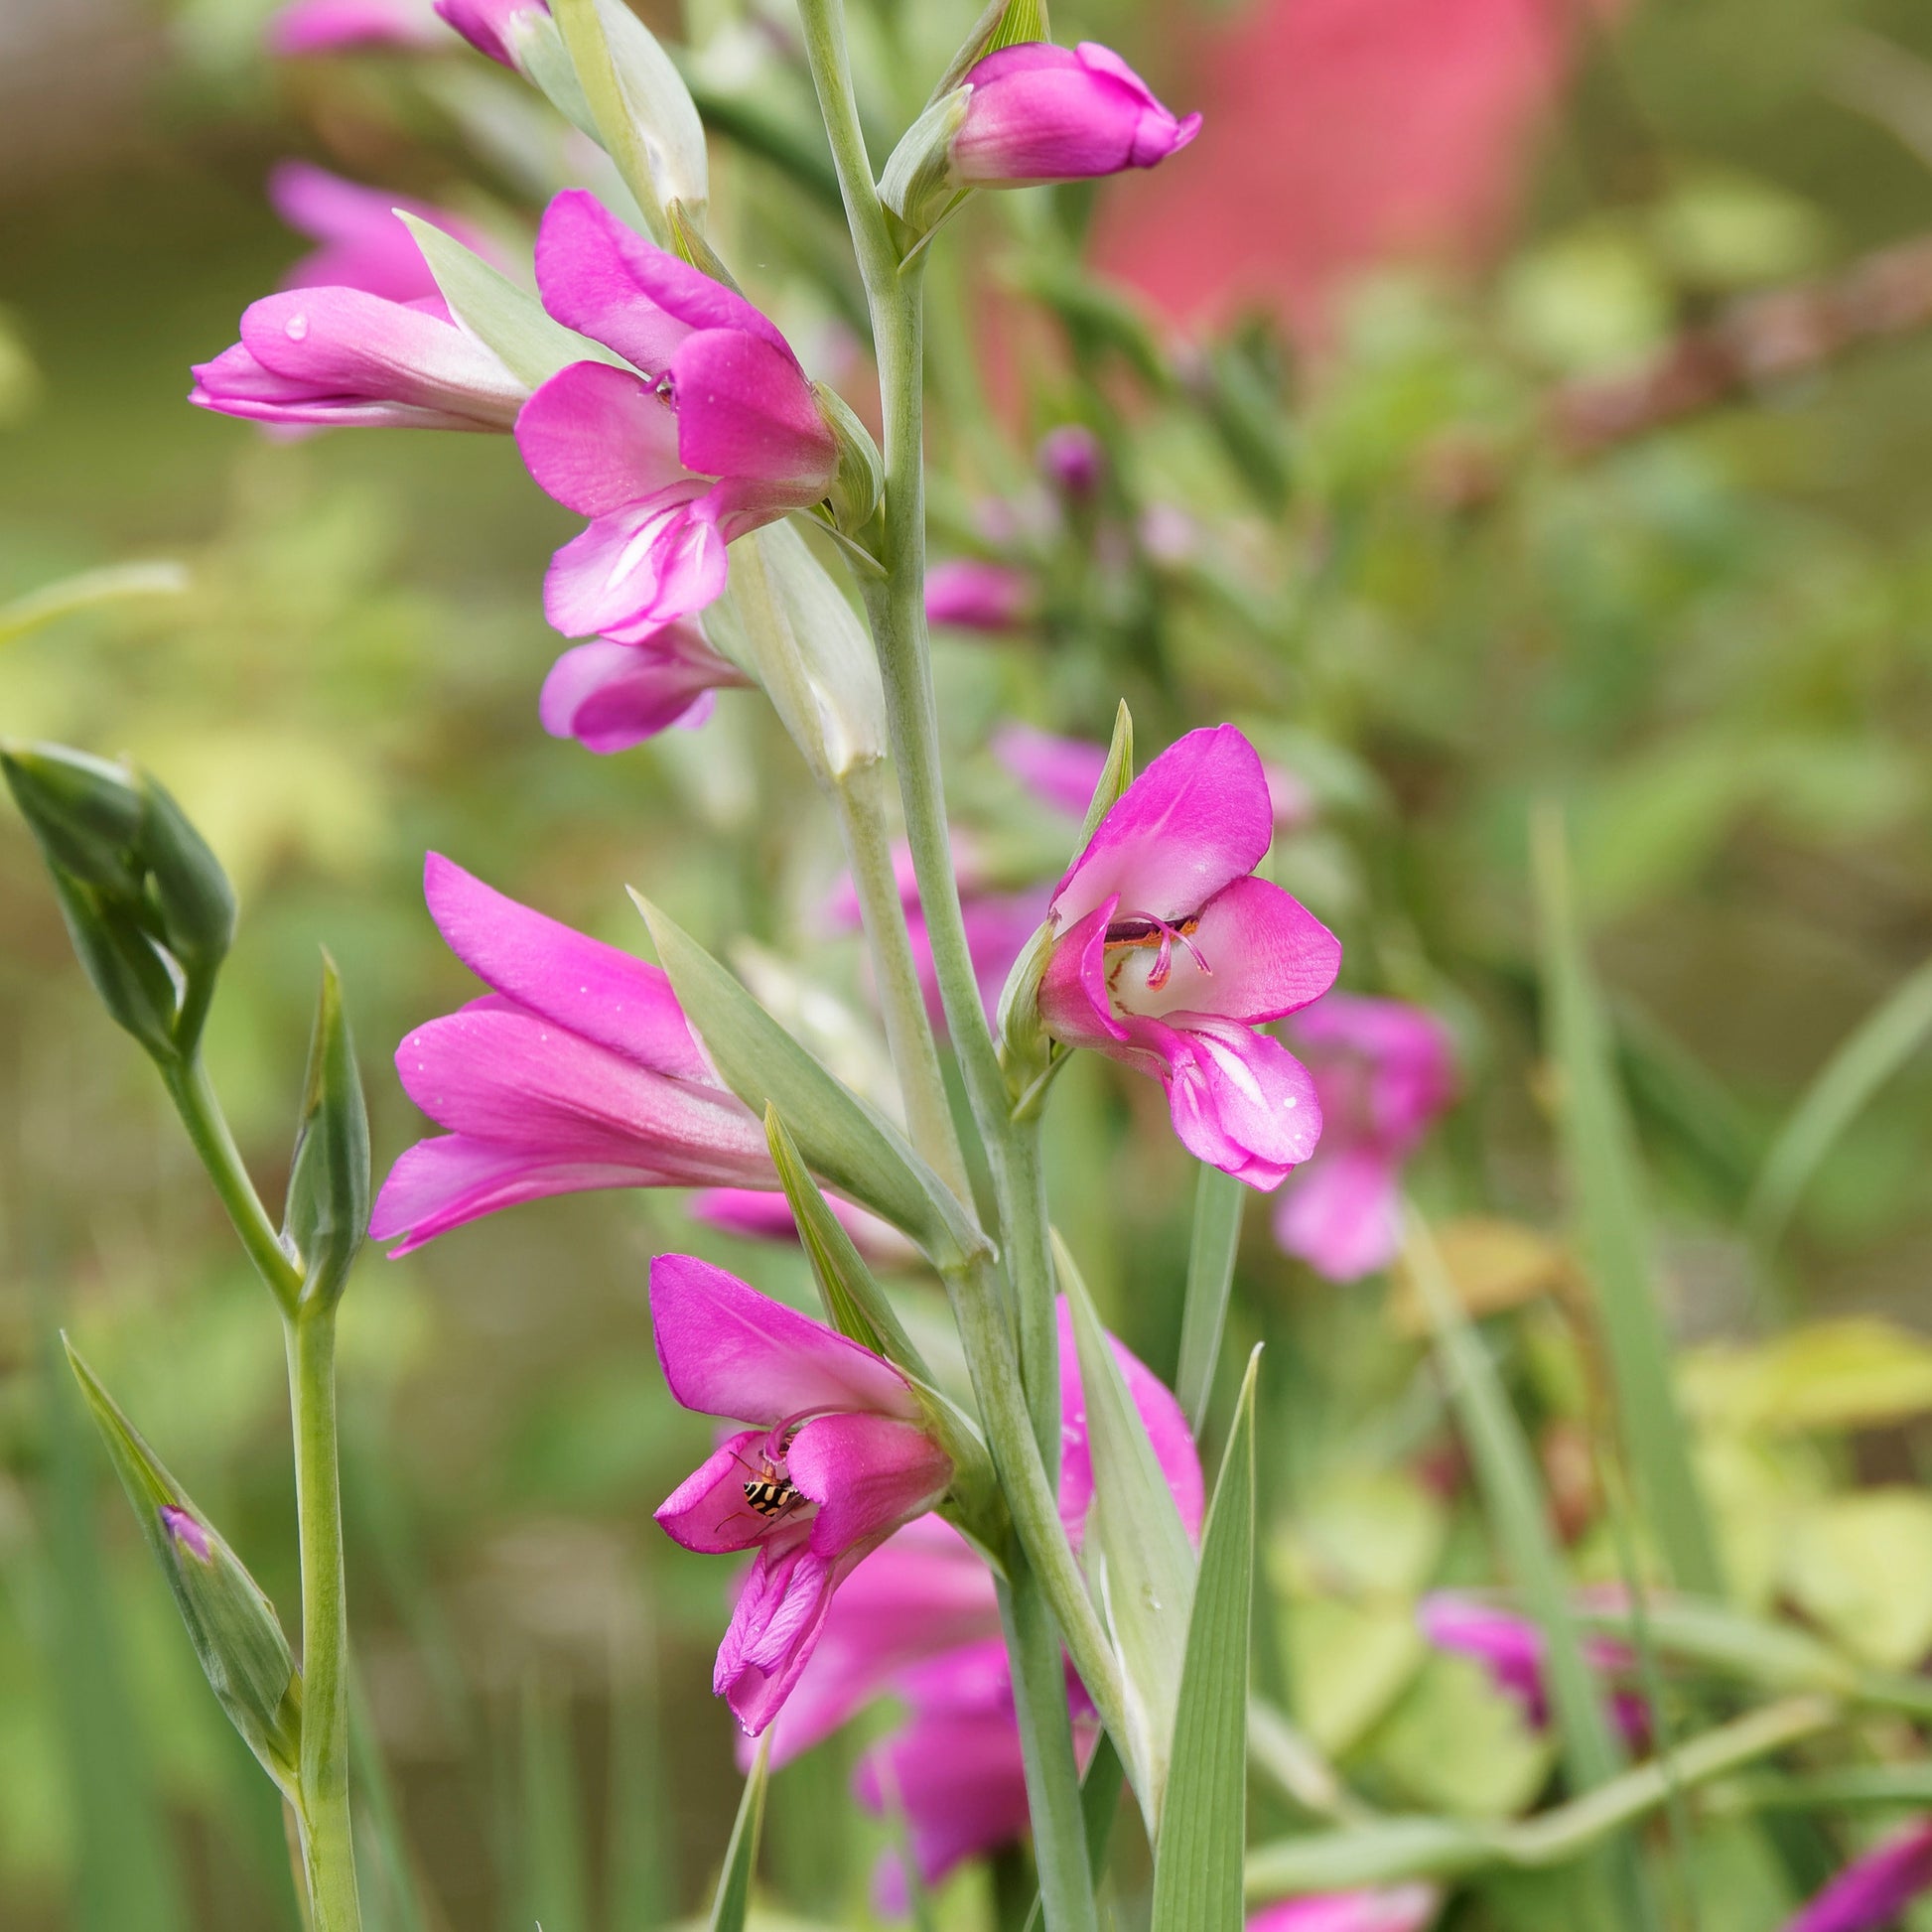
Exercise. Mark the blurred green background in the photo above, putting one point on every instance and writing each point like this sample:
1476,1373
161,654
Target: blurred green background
1713,645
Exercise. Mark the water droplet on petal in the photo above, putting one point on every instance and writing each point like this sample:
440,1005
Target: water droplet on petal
297,327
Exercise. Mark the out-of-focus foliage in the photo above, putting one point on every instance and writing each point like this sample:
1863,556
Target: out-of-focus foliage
1712,644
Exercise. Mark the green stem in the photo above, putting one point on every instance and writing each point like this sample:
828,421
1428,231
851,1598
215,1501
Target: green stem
208,1128
1046,1745
328,1850
859,802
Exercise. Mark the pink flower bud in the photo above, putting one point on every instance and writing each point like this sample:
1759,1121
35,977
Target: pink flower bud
1039,112
1070,459
186,1531
1872,1890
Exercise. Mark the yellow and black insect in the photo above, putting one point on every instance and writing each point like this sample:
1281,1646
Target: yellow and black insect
768,1492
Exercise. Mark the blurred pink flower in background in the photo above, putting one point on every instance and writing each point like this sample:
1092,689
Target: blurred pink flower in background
970,595
363,245
1394,1908
342,26
1071,457
1385,1071
752,1214
1340,134
1874,1888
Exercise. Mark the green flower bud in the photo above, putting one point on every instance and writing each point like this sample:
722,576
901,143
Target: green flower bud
328,1211
84,813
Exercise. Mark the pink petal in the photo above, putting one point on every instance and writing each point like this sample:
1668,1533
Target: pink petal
1394,1065
1195,820
609,697
606,281
597,990
449,1179
868,1475
637,569
485,23
756,1215
332,26
365,245
1343,1213
920,1594
1166,1428
728,1350
970,595
1395,1908
774,1632
745,409
958,1778
1240,1101
598,439
514,1077
1076,1001
1255,955
708,1511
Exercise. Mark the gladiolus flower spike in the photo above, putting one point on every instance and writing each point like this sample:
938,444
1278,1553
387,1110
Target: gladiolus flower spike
1168,955
837,1458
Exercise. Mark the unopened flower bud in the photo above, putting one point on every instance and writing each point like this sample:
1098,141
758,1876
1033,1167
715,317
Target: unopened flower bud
1037,112
327,1211
85,812
1071,457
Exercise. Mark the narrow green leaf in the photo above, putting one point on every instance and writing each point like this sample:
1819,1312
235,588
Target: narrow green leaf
1505,1469
843,1139
231,1622
1603,1170
1219,1200
1115,775
394,1891
1204,1825
1870,1054
556,1878
734,1901
328,1211
1100,1793
125,1878
508,321
1137,1548
855,1303
86,590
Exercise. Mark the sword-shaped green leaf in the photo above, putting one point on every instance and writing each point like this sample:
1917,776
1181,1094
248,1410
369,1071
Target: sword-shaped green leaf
733,1900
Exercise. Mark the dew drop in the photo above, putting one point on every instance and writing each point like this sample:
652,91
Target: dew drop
297,327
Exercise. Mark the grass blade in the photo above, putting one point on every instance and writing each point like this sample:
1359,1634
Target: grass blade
1874,1051
393,1886
555,1879
1601,1163
1219,1200
734,1901
1513,1501
1204,1825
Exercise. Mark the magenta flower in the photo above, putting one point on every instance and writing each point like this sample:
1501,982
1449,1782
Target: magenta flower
576,1071
339,358
1385,1071
712,432
1873,1889
363,245
485,23
970,595
1071,457
1039,112
1511,1649
837,1459
1395,1908
611,696
1169,955
755,1214
337,26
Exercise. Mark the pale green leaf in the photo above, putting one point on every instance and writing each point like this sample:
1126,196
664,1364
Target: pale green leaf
1203,1822
1457,1744
83,592
843,1139
508,321
1219,1200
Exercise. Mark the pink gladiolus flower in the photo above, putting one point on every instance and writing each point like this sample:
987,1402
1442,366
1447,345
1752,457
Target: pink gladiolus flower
1039,112
611,696
712,432
1511,1649
838,1460
576,1071
973,596
337,26
339,357
927,1592
1385,1071
1070,459
1169,955
1396,1908
1872,1890
756,1215
363,245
